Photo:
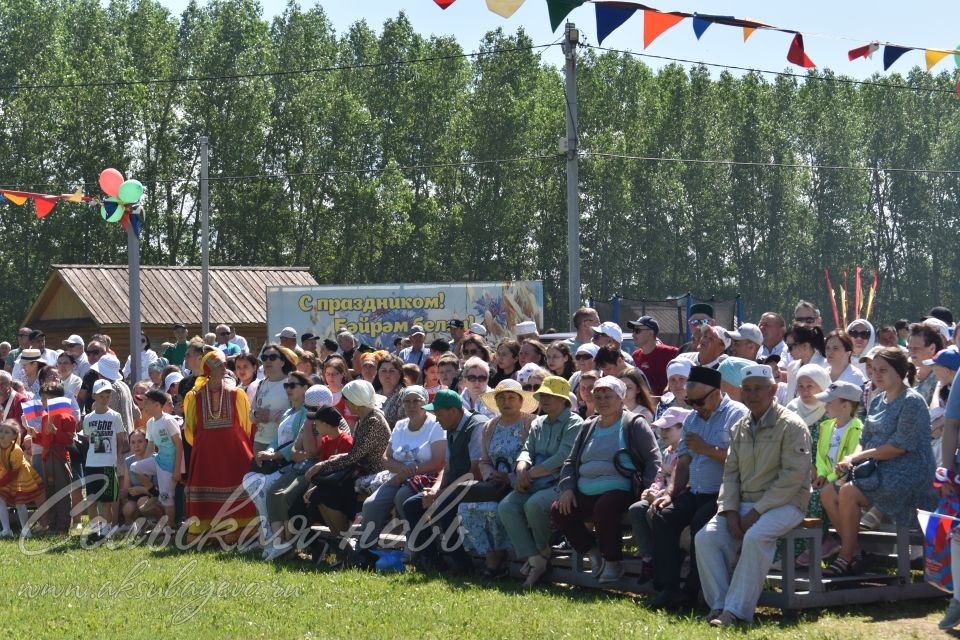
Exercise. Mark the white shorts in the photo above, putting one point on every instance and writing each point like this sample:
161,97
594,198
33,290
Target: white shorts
165,485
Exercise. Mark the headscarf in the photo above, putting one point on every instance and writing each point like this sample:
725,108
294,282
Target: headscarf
206,365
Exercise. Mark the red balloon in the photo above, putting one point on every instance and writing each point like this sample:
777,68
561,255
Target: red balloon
110,181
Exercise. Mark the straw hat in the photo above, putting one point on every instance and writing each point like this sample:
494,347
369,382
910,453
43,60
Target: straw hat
489,399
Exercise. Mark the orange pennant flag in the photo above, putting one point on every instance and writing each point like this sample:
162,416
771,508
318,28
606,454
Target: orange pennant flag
44,206
747,32
934,56
17,200
655,23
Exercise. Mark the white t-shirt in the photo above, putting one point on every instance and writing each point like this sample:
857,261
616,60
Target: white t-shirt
414,447
835,439
102,429
160,432
270,395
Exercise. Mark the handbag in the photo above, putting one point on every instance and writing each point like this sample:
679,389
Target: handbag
267,467
333,478
866,475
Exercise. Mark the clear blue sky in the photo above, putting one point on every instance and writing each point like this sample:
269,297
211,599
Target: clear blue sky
921,23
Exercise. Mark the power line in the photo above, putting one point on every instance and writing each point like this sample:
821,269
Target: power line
788,74
785,165
266,74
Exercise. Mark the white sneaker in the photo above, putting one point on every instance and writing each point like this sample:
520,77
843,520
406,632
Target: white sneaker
612,571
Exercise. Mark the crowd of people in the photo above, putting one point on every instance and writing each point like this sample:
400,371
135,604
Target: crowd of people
519,448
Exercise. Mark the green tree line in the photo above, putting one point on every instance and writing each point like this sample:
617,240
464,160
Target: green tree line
383,172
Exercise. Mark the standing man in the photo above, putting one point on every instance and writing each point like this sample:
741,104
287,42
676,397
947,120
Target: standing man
457,331
178,352
74,346
415,353
691,497
309,342
651,355
38,340
223,333
765,490
808,314
288,339
584,320
94,351
23,342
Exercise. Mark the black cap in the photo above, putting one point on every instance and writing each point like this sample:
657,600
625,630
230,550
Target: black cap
645,321
705,375
331,345
36,334
457,324
178,326
365,348
307,336
770,359
702,307
940,313
440,345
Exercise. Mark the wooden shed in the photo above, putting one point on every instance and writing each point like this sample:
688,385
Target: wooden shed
89,299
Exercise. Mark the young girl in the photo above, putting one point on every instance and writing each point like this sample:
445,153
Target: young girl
19,483
431,377
839,438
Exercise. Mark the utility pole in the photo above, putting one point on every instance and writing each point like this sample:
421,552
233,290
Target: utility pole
133,270
571,37
205,237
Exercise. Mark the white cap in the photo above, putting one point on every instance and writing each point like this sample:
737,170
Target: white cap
287,332
74,339
747,331
478,329
757,371
524,328
526,371
102,385
940,327
589,348
721,334
679,367
172,378
610,329
611,382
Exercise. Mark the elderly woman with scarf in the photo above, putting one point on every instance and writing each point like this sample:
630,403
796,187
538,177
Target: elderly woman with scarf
217,426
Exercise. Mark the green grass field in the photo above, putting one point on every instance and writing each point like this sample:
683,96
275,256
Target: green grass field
161,592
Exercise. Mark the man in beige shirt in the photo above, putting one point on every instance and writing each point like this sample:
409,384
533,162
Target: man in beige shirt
764,494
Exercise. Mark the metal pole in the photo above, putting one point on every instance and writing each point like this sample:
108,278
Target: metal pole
205,237
570,40
133,266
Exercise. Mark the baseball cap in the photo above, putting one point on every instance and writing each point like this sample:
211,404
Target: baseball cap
417,330
445,399
74,339
870,355
287,332
102,385
588,348
456,324
949,358
645,321
671,417
36,334
747,331
610,329
703,308
842,390
178,325
478,329
308,336
526,371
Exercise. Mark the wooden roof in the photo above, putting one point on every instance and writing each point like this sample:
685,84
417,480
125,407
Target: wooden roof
238,295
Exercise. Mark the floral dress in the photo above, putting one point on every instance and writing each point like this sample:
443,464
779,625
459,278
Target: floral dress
484,530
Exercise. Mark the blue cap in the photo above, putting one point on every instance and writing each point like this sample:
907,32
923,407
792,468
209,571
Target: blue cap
949,358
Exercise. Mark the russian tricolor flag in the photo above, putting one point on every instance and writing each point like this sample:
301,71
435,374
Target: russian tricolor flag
59,407
937,528
32,410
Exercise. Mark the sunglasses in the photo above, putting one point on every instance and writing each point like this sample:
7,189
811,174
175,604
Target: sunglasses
863,335
699,402
584,356
529,387
477,378
267,357
223,333
698,322
806,320
471,352
293,385
93,352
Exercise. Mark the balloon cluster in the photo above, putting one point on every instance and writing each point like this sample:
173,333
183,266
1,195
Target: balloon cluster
121,193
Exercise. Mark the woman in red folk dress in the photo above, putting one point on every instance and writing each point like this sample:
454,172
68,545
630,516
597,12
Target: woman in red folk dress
217,425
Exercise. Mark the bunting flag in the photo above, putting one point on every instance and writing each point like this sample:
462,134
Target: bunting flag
656,23
43,202
14,198
858,294
747,32
560,9
891,54
797,55
871,294
504,8
866,51
443,4
610,15
933,56
703,20
44,206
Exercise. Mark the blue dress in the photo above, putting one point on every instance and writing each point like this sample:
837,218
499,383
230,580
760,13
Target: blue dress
906,482
484,530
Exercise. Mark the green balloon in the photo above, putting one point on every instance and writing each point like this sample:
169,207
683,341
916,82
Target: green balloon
956,58
130,191
117,212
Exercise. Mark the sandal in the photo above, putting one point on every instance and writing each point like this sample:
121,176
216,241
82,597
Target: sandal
840,567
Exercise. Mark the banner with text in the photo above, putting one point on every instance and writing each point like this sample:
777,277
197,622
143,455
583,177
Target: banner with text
376,314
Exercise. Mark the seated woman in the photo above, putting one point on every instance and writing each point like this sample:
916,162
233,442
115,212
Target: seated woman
585,394
678,370
896,437
560,360
614,460
838,350
638,399
806,347
503,437
476,372
333,496
418,446
508,356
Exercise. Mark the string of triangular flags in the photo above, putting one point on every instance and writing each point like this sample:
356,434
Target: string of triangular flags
118,206
611,14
